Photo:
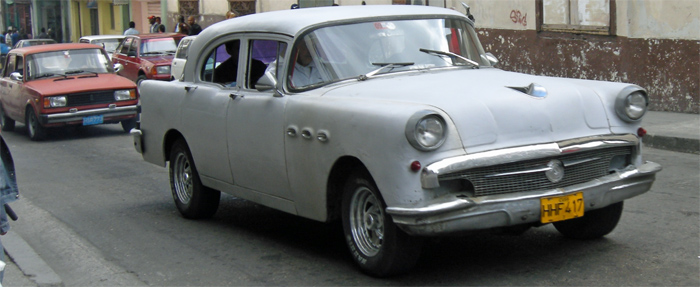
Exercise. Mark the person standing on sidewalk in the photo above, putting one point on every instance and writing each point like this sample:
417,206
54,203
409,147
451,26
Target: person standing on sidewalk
8,193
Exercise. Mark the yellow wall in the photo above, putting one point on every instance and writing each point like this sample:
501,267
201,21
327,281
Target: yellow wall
82,26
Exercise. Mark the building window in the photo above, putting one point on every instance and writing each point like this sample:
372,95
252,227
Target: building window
189,7
576,16
242,7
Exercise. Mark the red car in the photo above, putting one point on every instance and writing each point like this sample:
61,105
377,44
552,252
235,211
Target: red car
64,84
147,56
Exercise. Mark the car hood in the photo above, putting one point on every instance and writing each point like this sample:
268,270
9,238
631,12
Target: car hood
159,59
79,83
486,108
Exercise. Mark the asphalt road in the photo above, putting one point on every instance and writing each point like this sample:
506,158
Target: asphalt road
101,216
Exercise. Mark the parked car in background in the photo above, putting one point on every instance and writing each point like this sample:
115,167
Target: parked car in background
393,120
64,84
147,56
32,42
178,63
108,42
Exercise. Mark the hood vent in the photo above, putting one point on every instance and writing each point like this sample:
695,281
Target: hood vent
533,90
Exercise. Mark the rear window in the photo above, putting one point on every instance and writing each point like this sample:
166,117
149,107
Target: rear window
182,49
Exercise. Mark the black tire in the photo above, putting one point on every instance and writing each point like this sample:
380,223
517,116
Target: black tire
593,224
140,79
193,200
376,244
129,124
7,123
35,130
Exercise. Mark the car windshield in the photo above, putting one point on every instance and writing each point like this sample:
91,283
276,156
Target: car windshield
364,49
109,44
67,62
158,46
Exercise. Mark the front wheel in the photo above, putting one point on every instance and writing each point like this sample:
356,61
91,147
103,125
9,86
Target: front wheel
593,224
376,244
35,130
193,200
7,123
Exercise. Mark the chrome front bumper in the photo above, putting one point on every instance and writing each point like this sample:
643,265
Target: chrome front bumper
455,213
112,111
458,212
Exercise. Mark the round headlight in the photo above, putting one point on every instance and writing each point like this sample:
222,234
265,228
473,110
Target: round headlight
636,105
631,104
426,131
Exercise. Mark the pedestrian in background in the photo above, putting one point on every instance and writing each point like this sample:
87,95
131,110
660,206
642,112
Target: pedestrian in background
194,27
8,193
43,34
132,29
8,37
180,21
153,28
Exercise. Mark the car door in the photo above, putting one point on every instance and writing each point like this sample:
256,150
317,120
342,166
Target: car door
255,132
12,89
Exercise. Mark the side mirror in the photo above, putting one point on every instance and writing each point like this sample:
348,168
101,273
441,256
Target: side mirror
266,82
118,68
16,76
491,58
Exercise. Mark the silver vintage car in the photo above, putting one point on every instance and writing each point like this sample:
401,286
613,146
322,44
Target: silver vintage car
393,120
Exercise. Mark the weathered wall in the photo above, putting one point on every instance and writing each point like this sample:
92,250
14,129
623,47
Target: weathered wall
668,68
656,46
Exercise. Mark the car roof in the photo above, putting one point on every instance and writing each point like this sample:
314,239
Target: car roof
100,37
53,47
158,35
291,22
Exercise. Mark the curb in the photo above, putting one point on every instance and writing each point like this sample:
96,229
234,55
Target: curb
677,144
31,264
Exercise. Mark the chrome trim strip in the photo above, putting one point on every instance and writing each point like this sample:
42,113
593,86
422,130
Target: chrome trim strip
430,173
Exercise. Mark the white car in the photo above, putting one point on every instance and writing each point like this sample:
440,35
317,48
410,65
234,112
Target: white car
108,42
178,63
393,120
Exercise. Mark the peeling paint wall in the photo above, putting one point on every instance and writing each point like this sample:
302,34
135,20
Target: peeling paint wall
656,46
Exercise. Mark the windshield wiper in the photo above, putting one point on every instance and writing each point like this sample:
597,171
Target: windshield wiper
46,75
153,53
80,72
383,67
451,55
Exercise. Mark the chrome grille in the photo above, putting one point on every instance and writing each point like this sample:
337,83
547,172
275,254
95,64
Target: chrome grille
92,98
509,178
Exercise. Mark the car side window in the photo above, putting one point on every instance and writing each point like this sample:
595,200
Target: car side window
10,66
19,65
263,57
134,49
222,64
124,49
182,49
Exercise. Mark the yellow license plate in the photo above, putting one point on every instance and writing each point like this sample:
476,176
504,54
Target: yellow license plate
560,208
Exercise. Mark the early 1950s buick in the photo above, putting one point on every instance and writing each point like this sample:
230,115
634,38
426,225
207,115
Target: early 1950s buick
393,120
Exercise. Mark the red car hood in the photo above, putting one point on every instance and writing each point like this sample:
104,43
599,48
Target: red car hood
159,59
80,83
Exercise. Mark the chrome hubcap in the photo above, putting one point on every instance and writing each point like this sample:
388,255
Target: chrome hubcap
367,221
182,178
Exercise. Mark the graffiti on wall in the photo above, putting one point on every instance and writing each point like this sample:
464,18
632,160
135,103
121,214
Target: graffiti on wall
518,18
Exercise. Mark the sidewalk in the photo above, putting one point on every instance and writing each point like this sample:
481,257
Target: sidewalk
668,131
672,131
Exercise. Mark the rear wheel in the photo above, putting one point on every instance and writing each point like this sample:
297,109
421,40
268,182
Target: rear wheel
35,130
7,123
593,224
376,244
193,200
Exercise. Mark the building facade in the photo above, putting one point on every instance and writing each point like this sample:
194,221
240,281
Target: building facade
651,43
